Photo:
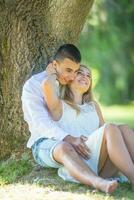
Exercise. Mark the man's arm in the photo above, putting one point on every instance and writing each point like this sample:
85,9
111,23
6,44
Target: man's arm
52,99
36,114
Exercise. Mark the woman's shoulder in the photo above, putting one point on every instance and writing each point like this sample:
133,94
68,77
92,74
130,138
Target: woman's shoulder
94,103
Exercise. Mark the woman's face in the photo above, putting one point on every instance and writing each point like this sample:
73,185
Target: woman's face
82,80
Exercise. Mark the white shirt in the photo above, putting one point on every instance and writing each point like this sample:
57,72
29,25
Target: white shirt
35,112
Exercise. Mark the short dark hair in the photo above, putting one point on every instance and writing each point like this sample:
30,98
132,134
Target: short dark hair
69,51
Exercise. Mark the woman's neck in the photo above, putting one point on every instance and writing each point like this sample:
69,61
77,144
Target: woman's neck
77,97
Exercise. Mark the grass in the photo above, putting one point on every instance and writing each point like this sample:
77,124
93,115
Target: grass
13,168
21,178
120,114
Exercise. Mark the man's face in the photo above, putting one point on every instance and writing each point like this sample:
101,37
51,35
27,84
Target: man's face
66,70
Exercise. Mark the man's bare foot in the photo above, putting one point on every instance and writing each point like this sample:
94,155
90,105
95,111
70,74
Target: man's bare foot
111,187
107,186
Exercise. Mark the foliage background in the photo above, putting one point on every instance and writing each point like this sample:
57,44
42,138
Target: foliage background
106,44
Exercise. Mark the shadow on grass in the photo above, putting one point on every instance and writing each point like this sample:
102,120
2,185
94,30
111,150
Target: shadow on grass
49,178
23,170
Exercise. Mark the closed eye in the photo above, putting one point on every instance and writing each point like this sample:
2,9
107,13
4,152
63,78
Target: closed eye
88,75
79,72
69,70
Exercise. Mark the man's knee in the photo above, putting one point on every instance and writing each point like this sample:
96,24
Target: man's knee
63,148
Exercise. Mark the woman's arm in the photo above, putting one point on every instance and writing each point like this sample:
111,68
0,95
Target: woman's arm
101,119
52,100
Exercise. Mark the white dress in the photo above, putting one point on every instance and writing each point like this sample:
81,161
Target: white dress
84,123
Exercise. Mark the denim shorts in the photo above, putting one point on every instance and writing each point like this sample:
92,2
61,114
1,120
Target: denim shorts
42,151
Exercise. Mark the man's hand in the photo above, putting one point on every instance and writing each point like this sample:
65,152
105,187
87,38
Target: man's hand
50,69
79,145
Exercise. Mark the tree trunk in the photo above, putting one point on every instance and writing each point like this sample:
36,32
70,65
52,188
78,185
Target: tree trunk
30,33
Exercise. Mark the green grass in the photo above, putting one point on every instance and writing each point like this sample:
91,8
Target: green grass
20,176
119,114
13,168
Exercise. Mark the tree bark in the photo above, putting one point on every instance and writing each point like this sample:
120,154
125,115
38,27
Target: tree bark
30,33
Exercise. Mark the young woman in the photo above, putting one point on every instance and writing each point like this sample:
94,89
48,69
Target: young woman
76,112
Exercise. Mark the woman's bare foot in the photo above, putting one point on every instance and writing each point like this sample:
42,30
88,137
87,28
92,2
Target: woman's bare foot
106,186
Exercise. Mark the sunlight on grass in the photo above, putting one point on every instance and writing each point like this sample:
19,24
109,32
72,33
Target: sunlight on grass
41,192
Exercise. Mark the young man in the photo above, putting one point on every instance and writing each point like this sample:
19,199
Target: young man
66,63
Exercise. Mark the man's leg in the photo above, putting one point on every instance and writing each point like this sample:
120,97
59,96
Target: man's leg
65,154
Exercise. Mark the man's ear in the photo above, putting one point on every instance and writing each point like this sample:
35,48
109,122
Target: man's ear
55,63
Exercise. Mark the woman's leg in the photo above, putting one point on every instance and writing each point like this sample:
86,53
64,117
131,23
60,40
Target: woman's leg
118,152
106,168
65,153
128,136
109,170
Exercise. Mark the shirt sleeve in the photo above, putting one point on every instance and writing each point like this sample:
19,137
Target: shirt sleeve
36,114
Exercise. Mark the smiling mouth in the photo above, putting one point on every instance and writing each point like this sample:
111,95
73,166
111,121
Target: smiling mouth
82,81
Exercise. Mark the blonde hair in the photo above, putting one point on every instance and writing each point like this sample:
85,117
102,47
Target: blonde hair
67,95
